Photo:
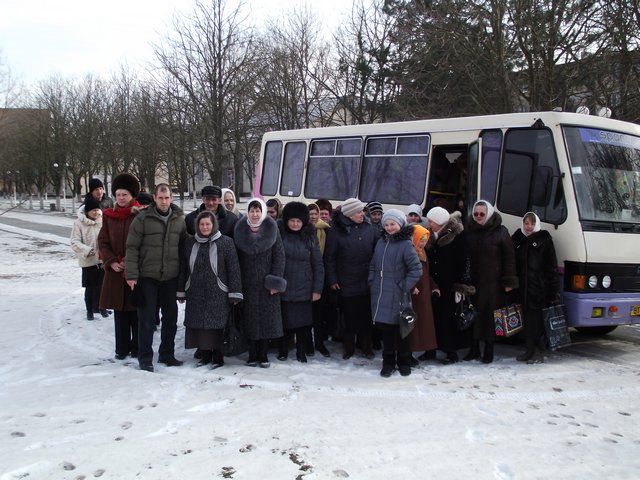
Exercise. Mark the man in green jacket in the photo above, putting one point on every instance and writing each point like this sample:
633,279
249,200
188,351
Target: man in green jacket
152,263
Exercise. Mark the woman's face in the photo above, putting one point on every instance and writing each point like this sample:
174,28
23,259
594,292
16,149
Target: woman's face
123,197
272,212
313,216
422,243
325,216
391,227
228,201
528,226
93,214
480,214
357,217
434,226
294,224
205,226
254,213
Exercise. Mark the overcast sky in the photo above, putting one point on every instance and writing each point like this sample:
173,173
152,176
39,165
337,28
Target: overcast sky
39,38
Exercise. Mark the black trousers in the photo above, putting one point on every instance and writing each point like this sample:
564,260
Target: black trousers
533,327
126,329
92,298
357,316
150,294
395,350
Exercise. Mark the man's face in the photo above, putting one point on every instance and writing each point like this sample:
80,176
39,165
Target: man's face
375,217
163,200
97,193
211,202
325,216
413,218
272,212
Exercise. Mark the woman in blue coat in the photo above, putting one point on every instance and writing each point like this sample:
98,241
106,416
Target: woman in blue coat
395,269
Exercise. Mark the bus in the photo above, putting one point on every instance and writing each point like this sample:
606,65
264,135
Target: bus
579,173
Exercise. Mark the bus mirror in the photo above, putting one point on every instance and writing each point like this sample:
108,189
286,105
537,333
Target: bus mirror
541,188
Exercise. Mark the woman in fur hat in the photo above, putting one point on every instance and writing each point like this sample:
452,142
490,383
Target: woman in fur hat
262,262
304,273
84,242
539,281
395,270
493,273
210,283
112,243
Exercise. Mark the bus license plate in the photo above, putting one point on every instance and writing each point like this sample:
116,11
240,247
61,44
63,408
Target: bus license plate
635,310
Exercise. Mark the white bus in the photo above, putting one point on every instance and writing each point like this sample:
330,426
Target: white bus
579,173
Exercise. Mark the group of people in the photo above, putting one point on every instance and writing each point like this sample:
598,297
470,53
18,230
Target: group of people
294,276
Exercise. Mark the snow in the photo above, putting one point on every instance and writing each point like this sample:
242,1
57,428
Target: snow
70,411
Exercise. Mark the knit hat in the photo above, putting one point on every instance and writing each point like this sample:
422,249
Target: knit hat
128,182
295,210
145,198
374,207
95,183
487,205
351,206
395,215
414,208
438,215
211,191
90,203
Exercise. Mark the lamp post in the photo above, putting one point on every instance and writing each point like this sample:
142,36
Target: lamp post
55,165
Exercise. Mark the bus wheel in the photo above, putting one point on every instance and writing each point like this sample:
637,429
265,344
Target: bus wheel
597,331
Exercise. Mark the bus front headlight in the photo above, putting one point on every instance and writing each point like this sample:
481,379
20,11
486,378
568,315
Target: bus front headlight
606,281
593,281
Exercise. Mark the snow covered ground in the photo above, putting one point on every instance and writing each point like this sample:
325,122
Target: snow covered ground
70,411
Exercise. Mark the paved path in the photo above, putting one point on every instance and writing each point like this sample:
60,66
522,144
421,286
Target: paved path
38,227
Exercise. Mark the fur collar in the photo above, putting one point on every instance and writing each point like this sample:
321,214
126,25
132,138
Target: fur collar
450,231
405,233
322,225
254,243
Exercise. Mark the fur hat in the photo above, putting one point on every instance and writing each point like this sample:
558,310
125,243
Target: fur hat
295,210
145,198
126,181
351,206
211,191
438,215
90,203
395,215
95,183
324,204
374,207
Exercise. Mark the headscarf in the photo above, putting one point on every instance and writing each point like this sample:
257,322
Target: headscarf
536,227
420,233
263,207
490,209
235,200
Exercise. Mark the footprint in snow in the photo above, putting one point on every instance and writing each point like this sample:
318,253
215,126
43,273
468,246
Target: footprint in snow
99,472
340,473
126,425
68,466
18,434
501,471
247,448
475,436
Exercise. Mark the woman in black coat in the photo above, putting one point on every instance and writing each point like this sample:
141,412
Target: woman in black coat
304,273
539,282
448,265
347,254
262,261
210,283
493,273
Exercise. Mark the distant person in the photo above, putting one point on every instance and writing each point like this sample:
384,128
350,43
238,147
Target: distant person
414,214
115,293
84,242
96,190
274,208
212,201
230,202
326,210
151,268
374,213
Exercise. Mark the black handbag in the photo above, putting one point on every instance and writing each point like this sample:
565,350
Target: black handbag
407,316
235,341
465,315
555,326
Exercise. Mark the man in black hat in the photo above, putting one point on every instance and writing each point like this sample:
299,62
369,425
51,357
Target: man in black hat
211,200
96,190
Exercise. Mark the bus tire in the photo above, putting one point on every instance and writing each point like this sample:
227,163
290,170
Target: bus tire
597,331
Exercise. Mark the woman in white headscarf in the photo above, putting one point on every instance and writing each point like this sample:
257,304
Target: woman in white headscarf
229,201
262,259
539,282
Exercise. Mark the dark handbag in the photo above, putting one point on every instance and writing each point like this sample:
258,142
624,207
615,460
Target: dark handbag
235,341
407,316
465,315
555,327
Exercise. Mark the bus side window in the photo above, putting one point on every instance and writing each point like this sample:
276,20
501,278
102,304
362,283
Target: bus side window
491,145
332,170
271,168
293,169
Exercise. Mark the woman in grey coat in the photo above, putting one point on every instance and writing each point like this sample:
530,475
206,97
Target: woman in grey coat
210,283
262,261
395,269
304,273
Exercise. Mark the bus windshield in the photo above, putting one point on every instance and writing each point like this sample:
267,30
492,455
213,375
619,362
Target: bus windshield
605,167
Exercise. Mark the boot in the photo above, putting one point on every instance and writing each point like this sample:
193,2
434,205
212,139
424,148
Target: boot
89,315
300,352
252,361
283,350
348,349
217,359
427,355
367,351
474,352
452,357
404,365
536,357
321,348
205,359
413,361
104,313
263,359
388,365
487,357
526,355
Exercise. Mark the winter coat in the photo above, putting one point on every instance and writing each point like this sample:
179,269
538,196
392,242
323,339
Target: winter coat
262,260
347,255
395,268
84,238
447,253
537,269
493,267
209,295
153,245
226,220
423,335
112,242
303,268
321,233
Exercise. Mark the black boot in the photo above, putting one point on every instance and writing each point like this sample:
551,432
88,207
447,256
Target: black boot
320,346
283,348
526,355
217,359
89,315
348,349
388,365
263,359
104,313
367,351
536,357
487,357
252,361
427,355
205,359
413,361
452,357
474,352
